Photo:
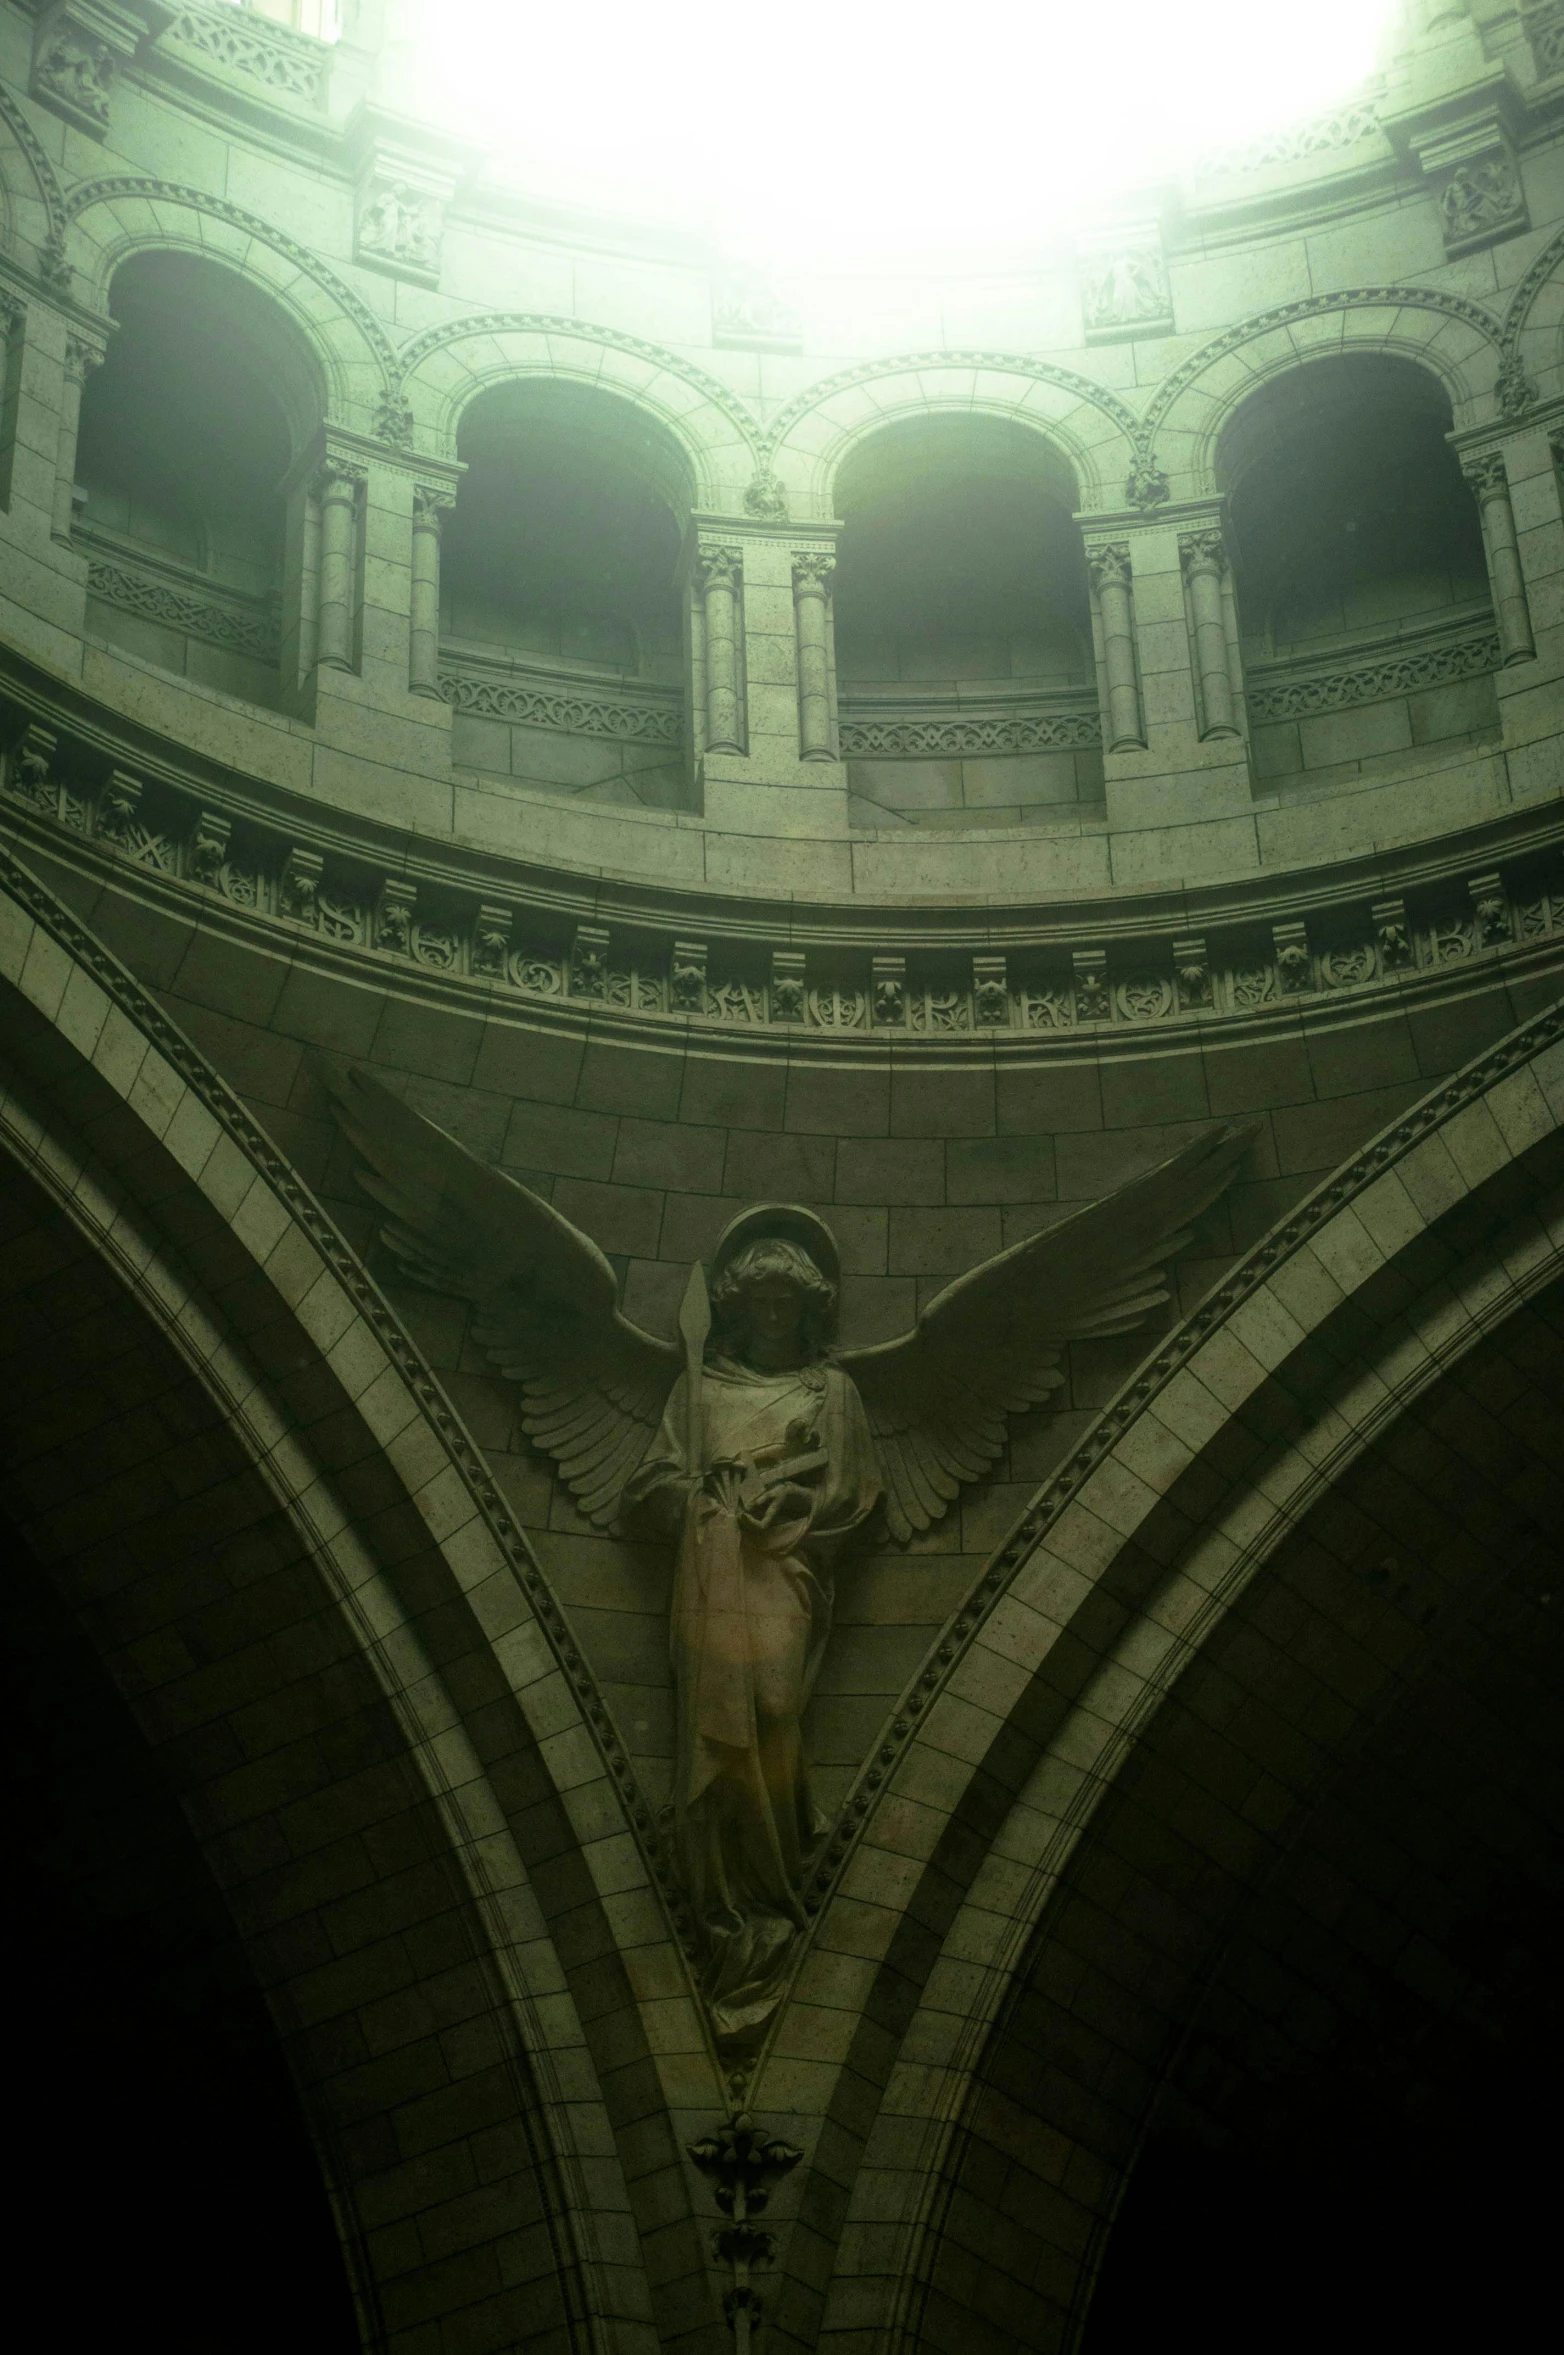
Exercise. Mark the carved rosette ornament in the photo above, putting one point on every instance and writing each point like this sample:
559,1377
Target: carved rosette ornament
758,1449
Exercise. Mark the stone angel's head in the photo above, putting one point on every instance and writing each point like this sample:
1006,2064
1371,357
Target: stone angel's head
772,1306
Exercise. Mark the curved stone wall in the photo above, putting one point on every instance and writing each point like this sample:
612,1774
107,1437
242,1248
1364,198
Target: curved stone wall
1418,228
999,725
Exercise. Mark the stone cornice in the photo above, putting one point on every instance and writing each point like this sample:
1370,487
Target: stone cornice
1098,975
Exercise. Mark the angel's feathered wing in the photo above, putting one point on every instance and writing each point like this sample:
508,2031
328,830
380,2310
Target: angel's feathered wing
593,1386
990,1343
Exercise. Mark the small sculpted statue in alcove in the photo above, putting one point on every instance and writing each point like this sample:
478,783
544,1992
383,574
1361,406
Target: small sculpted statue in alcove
758,1449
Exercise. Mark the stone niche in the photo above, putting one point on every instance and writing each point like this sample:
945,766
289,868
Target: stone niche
963,630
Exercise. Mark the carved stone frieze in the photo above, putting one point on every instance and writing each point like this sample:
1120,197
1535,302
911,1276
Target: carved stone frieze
400,228
230,42
207,848
1543,21
1124,287
1042,982
751,312
1275,694
571,710
241,625
1482,201
765,497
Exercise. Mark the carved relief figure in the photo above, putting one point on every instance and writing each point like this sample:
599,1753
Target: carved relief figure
1124,288
758,1449
402,224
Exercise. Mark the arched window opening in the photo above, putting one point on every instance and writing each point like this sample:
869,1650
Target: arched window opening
964,659
187,433
1363,593
562,630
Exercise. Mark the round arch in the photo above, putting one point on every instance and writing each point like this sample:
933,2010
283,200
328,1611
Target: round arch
1088,427
267,1517
32,210
1454,340
1534,323
445,371
977,1814
113,219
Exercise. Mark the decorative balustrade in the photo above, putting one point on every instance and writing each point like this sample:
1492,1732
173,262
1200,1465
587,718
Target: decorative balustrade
904,725
1059,980
162,590
499,688
255,48
1374,671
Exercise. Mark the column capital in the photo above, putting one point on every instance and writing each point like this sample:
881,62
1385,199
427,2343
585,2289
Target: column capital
83,353
1204,551
1486,473
812,571
718,564
1110,564
336,473
432,503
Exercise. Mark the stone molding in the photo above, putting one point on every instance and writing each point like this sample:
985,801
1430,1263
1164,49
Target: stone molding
1346,125
1296,690
1060,978
344,1264
164,192
544,323
239,43
1352,1180
1042,723
504,691
180,599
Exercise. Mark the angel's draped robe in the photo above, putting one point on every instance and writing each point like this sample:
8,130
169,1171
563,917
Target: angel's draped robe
751,1612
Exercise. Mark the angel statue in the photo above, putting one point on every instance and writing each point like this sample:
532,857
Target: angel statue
757,1448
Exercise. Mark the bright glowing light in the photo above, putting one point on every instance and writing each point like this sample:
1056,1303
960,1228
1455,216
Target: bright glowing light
822,127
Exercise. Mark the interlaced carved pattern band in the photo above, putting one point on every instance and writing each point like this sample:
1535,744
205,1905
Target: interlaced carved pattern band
256,47
1344,126
156,192
568,710
1018,731
1395,674
1380,1154
544,323
49,190
239,627
437,1411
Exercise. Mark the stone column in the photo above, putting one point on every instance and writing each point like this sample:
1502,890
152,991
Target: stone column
337,487
1490,485
431,505
812,571
1112,580
720,572
81,358
1205,563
